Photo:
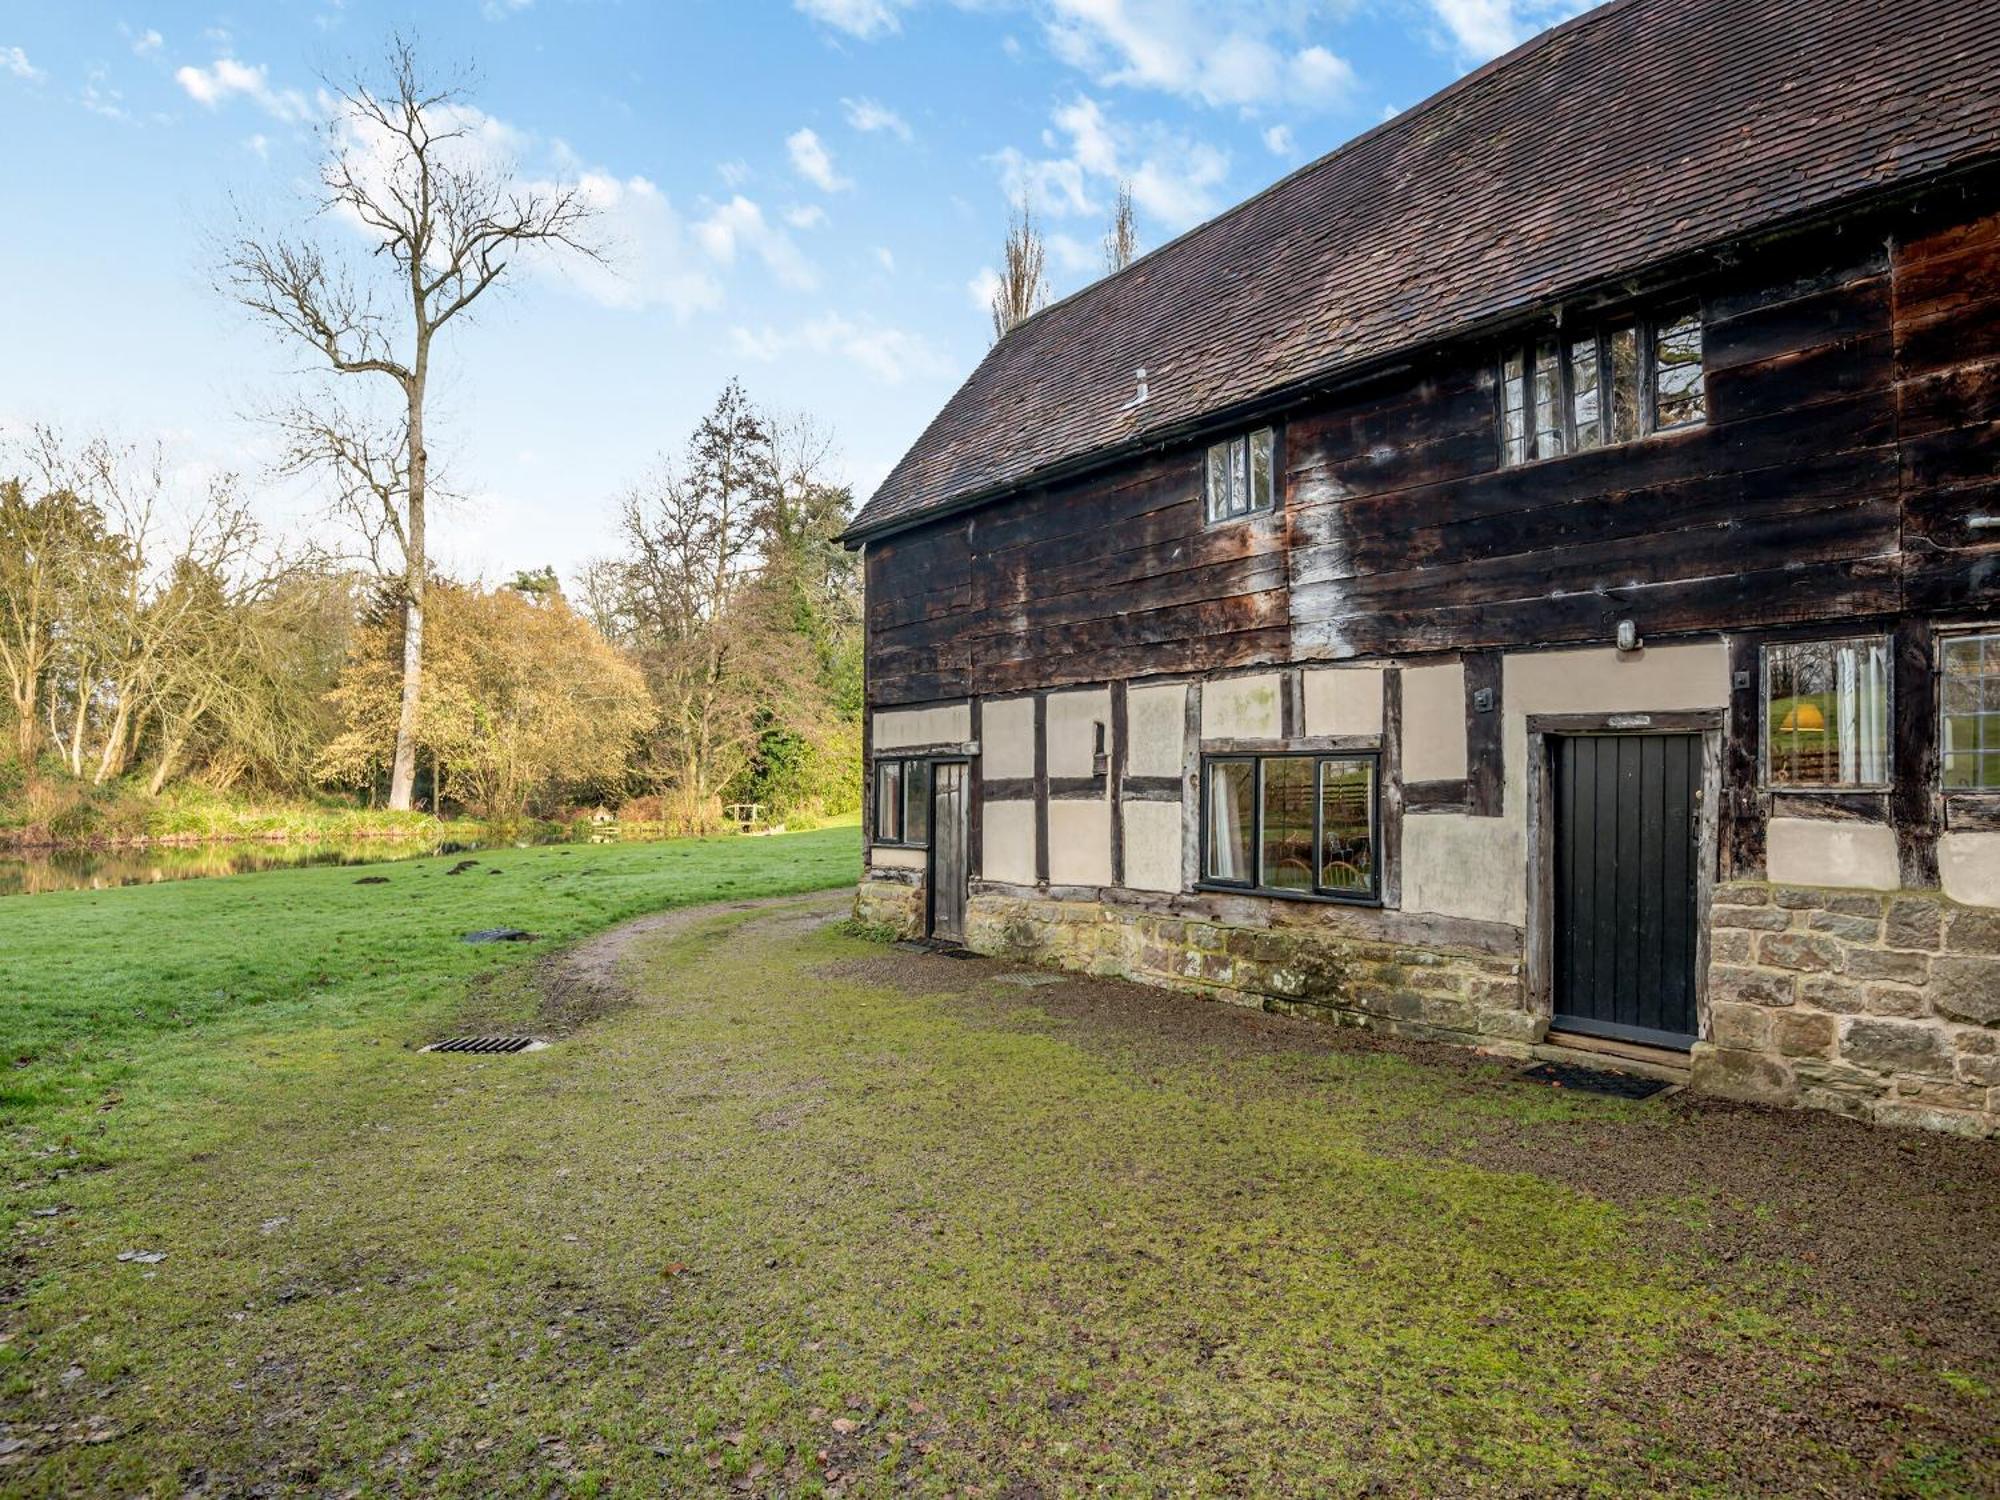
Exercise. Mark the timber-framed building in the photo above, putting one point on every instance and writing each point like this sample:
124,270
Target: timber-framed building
1530,578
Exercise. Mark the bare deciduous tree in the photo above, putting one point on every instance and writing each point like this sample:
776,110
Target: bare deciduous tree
1022,289
1121,240
442,223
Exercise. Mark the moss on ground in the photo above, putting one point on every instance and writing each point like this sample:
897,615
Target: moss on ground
809,1217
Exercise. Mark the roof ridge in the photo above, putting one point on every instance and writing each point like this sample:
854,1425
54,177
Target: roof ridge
1402,119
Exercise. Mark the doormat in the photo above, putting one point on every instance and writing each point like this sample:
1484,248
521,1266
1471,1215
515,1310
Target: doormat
1593,1081
934,948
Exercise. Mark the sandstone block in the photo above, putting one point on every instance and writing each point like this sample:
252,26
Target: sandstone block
1799,950
1750,986
1888,963
1967,989
1897,1047
1847,929
1828,992
1928,1117
1732,1024
1735,1074
1913,923
1744,893
1973,932
1895,1000
1729,945
1760,918
1801,1033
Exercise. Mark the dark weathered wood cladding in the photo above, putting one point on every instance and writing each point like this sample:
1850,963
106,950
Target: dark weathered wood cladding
1853,431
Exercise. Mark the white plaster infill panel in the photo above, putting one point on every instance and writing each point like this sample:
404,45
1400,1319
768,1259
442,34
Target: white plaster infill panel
1072,729
941,724
1241,708
895,858
1460,866
1819,851
1969,867
1434,723
1079,842
1152,846
1156,726
1008,837
1007,739
1343,701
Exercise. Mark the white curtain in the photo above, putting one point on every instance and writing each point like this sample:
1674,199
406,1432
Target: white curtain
1228,838
1861,671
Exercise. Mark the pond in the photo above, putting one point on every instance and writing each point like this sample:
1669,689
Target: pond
33,871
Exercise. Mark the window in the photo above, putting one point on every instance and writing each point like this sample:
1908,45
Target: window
1826,713
1606,385
1290,825
1972,713
903,802
1242,475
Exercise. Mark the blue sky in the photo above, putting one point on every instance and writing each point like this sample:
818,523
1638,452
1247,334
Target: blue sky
807,195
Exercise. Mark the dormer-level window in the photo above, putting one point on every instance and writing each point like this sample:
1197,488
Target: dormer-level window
1570,392
1241,475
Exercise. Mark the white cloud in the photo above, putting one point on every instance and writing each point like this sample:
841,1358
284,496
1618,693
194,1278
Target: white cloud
14,60
1248,56
101,99
1174,176
259,146
734,173
227,78
812,161
147,41
740,225
500,10
1483,29
862,18
868,116
983,287
1074,256
891,355
885,257
1278,141
805,216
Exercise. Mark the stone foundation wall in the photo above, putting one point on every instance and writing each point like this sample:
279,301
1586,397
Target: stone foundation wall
894,900
1884,1007
1294,957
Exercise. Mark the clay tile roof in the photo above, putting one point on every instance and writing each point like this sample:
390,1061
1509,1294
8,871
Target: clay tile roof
1635,134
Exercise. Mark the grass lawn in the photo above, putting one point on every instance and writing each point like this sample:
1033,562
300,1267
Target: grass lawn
784,1211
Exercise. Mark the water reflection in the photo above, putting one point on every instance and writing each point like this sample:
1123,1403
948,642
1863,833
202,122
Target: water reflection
37,871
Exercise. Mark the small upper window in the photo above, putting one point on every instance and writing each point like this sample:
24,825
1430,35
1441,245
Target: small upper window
903,802
1826,713
1605,385
1972,713
1240,473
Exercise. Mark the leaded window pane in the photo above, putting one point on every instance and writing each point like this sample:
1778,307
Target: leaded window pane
1624,369
1514,409
1585,419
1548,402
1972,712
1261,486
1677,392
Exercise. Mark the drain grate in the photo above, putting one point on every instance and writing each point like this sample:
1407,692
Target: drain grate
1593,1081
488,1044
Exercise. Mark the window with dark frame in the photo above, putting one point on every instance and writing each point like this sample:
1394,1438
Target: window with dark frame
1826,714
1291,825
903,802
1614,383
1241,475
1971,713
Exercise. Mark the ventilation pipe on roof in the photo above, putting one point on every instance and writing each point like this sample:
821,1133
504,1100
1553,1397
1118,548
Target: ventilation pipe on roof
1139,399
